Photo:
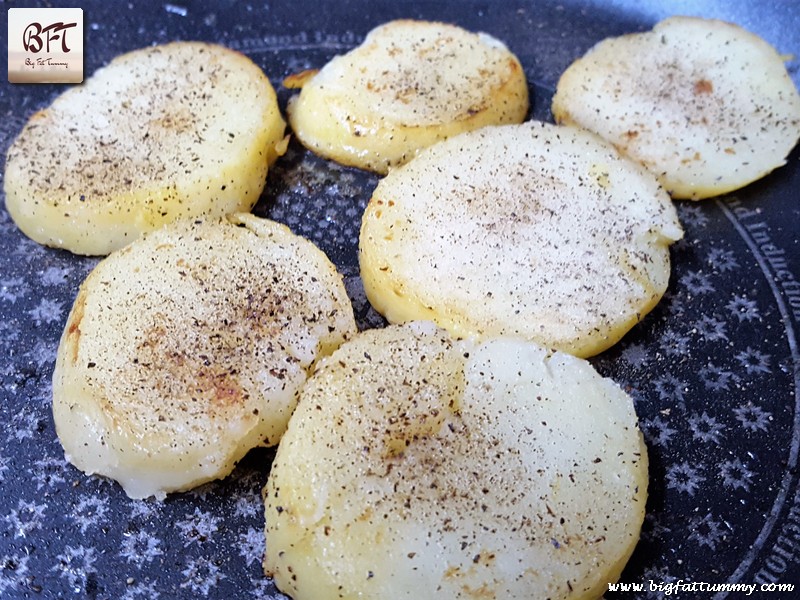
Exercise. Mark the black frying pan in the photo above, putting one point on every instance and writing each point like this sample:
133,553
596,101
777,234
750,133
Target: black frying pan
714,369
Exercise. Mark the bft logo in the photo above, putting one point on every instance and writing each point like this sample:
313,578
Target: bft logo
45,45
32,37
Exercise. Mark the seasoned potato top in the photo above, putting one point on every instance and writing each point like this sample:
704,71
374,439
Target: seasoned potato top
408,85
162,102
413,72
417,466
531,230
195,340
179,130
706,105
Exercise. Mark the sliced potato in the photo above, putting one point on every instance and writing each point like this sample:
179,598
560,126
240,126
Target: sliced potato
534,230
416,466
179,130
704,104
408,85
187,348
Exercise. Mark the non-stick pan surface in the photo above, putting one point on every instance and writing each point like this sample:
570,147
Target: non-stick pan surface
714,370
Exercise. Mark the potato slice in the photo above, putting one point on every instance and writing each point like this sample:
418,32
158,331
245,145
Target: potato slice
532,230
420,467
187,348
179,130
408,85
704,104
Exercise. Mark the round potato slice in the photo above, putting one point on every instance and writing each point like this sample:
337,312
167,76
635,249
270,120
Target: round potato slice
533,230
188,347
704,104
420,467
180,130
408,85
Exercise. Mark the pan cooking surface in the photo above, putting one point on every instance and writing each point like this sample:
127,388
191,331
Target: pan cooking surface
714,369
